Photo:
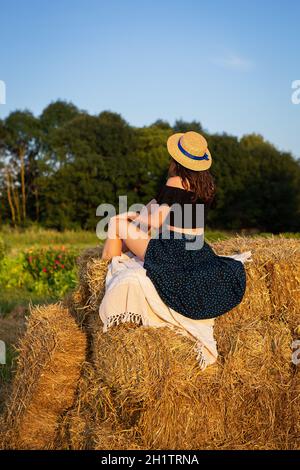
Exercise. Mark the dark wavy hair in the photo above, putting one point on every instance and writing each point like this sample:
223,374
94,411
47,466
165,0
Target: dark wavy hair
199,182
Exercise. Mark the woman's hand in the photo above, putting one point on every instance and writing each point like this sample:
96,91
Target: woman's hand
130,215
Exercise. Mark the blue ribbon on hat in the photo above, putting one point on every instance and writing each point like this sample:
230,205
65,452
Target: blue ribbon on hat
193,157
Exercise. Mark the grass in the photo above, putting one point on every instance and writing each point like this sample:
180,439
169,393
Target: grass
20,239
37,237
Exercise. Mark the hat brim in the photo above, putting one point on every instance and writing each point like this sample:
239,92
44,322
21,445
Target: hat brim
196,165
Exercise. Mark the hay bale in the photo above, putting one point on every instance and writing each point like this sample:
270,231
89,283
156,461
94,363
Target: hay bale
277,262
76,429
50,357
185,418
256,303
256,379
92,273
136,362
84,302
143,388
241,404
93,423
236,404
284,283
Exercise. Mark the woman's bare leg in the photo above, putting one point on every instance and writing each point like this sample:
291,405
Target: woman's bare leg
135,239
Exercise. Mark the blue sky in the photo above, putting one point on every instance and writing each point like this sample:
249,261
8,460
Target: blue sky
229,64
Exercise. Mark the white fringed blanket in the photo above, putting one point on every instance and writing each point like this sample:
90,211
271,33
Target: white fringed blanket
131,296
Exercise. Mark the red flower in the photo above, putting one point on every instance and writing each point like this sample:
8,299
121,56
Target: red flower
62,266
44,270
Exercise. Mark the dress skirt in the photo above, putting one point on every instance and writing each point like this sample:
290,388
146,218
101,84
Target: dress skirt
191,278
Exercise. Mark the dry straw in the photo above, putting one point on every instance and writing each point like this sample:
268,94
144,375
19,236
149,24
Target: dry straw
50,357
84,302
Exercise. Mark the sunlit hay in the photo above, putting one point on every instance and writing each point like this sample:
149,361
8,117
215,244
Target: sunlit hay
186,417
239,244
255,305
143,387
83,303
3,433
71,302
237,405
260,352
256,301
50,357
272,284
77,425
158,387
256,381
244,398
109,436
279,258
88,274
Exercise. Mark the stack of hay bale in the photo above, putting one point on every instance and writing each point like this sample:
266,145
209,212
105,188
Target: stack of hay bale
51,355
141,388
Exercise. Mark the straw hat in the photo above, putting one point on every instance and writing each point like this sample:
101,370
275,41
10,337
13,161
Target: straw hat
190,150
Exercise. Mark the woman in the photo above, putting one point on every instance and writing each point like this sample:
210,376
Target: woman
190,278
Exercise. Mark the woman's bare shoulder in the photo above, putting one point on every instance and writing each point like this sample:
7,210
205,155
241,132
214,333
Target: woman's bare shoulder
175,182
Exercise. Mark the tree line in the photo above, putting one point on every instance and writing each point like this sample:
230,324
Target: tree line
58,167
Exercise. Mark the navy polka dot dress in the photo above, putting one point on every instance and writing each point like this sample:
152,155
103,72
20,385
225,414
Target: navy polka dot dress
197,283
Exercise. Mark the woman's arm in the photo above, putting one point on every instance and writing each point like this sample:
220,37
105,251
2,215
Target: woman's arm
152,215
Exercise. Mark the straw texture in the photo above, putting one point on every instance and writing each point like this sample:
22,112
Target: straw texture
141,388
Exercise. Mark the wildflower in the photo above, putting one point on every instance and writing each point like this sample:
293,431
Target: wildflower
62,266
44,270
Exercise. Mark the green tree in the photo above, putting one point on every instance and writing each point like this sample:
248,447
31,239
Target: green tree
185,126
21,147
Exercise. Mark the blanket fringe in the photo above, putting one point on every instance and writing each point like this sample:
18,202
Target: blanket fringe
200,356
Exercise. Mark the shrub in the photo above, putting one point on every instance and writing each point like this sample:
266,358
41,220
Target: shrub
52,269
